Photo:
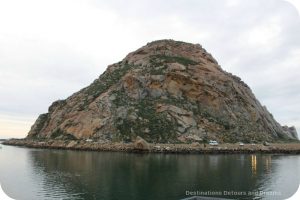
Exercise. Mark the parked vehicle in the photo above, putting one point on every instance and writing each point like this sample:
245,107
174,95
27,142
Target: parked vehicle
266,144
241,144
213,143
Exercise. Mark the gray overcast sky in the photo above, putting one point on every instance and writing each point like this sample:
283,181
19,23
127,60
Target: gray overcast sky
50,49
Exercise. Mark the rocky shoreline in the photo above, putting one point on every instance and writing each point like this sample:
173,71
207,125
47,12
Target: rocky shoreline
139,146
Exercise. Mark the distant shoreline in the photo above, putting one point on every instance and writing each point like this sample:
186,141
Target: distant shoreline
275,148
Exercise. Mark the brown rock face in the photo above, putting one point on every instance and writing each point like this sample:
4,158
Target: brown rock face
166,91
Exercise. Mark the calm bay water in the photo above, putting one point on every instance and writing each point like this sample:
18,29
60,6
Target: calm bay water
59,174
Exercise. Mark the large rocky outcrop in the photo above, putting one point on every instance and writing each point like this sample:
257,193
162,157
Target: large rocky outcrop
166,91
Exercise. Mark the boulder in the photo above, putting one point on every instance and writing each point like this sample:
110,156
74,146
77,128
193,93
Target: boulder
71,143
141,144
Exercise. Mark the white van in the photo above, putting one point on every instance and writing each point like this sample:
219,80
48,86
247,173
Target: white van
213,143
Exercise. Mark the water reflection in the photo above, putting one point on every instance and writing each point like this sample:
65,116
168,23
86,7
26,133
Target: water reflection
253,164
132,176
105,175
268,164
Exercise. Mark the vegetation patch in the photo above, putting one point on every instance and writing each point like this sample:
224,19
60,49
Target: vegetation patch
121,98
60,134
152,126
39,124
175,59
159,70
57,104
105,81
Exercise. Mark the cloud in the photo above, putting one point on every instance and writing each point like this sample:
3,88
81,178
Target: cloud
50,49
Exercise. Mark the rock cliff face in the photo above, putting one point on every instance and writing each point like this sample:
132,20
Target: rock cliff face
166,91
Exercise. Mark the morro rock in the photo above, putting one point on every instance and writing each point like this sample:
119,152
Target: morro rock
166,91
